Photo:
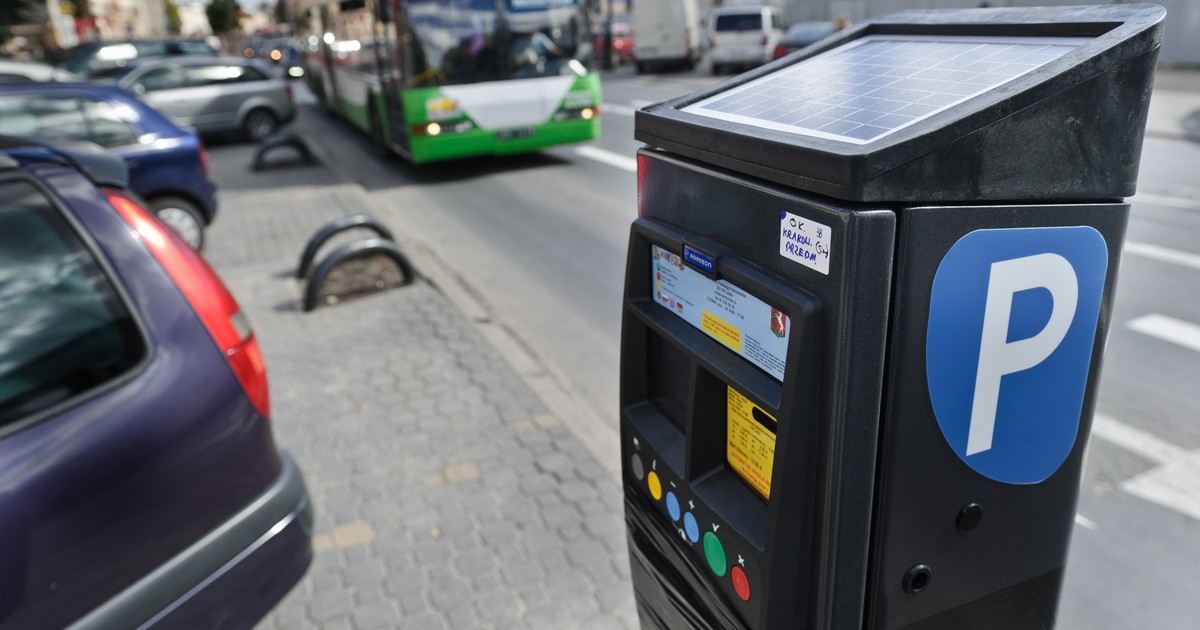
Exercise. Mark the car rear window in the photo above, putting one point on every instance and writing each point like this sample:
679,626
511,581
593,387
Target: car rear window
63,330
65,117
739,22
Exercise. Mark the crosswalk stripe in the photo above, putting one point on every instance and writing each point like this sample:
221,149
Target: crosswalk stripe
1170,202
1168,329
610,158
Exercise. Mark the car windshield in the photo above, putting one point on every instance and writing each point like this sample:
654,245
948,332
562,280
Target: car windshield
808,32
739,22
114,73
80,55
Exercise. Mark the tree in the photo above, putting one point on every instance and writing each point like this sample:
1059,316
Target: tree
223,15
11,12
174,23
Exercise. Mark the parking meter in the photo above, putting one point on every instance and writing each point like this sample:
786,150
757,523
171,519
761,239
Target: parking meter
866,302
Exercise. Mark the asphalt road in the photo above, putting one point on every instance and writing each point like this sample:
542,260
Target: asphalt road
541,241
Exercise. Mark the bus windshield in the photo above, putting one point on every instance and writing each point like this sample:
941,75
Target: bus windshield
469,41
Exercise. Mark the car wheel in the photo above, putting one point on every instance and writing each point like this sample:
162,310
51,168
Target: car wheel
259,124
182,216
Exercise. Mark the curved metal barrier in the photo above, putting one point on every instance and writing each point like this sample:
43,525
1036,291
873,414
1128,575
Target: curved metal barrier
349,251
282,139
329,230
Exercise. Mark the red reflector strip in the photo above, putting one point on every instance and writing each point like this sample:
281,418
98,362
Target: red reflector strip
207,295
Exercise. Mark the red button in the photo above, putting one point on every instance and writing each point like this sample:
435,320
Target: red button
741,585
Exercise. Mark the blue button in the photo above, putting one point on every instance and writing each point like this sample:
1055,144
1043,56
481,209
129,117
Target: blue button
673,506
691,527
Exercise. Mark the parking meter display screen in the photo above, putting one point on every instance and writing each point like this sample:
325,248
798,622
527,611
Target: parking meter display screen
739,321
877,85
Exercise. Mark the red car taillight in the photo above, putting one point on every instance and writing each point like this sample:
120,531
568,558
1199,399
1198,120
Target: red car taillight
203,158
208,296
779,52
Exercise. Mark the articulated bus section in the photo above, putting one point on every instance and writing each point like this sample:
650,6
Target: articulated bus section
444,79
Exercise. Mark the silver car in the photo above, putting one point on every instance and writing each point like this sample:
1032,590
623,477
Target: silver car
213,94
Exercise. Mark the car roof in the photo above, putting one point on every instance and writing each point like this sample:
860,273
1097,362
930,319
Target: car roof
61,86
35,70
189,60
152,121
753,10
99,165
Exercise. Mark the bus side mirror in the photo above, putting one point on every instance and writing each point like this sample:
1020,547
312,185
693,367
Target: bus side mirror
383,11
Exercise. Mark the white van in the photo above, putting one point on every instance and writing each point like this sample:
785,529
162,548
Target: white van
666,33
743,37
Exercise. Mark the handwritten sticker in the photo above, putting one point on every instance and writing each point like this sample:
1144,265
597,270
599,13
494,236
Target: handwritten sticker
804,241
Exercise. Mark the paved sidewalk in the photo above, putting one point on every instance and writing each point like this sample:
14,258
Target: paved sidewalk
446,495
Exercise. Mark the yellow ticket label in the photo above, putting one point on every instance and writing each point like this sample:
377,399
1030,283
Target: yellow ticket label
722,330
750,446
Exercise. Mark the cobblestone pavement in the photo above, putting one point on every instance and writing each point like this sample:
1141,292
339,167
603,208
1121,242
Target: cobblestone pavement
446,495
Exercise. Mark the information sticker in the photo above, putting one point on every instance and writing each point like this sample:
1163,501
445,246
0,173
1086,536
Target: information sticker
739,321
750,446
804,241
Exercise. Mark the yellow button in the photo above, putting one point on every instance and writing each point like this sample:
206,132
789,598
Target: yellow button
655,485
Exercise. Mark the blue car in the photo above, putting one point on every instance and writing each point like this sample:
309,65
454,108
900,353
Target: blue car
168,165
141,483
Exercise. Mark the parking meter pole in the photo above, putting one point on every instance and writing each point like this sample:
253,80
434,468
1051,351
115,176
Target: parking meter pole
865,307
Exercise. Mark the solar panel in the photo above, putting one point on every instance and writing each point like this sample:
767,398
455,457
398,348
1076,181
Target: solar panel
880,84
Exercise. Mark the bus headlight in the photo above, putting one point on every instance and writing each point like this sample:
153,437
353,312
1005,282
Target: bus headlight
586,113
442,128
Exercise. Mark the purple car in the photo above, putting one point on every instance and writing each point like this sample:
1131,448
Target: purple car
168,164
140,484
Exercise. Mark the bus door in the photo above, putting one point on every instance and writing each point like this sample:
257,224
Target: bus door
329,91
391,71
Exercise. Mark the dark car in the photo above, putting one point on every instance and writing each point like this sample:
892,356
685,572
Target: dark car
803,35
142,484
92,57
169,165
622,43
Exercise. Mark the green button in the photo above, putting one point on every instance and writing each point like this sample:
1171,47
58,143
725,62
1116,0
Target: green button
714,552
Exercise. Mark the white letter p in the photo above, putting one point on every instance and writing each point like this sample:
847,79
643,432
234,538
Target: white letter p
997,356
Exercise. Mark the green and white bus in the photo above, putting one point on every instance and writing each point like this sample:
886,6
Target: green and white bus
444,79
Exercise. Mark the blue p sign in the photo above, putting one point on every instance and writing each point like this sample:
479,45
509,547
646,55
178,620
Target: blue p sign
1012,319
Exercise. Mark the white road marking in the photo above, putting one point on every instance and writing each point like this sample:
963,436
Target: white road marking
1173,484
1170,202
638,103
1135,440
610,158
1086,522
1176,331
620,110
1163,254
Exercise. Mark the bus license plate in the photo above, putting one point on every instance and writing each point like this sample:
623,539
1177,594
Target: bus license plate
510,134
